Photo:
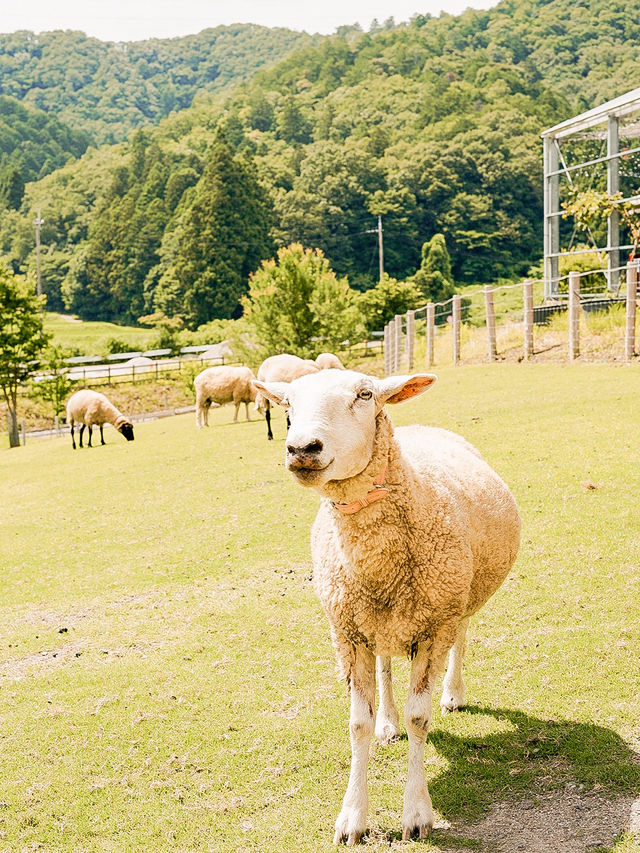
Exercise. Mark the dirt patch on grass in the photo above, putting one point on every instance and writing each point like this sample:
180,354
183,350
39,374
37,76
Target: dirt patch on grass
105,630
567,821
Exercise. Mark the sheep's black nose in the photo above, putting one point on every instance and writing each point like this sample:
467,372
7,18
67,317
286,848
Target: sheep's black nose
309,449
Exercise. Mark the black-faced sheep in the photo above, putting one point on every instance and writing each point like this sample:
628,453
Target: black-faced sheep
414,533
90,408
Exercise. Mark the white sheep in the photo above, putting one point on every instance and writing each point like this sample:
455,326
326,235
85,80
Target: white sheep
219,385
90,408
414,533
328,361
281,368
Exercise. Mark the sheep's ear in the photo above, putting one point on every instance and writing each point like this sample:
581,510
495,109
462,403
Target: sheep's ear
395,389
274,391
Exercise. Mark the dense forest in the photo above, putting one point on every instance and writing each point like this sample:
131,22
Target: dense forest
434,125
32,144
109,89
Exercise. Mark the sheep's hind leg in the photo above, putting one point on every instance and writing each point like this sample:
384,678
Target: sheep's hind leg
80,435
453,693
387,719
246,411
352,820
102,441
90,430
73,441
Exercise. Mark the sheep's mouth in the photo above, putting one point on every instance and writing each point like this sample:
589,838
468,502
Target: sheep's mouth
307,473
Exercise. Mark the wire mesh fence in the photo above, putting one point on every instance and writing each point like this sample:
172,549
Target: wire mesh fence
447,332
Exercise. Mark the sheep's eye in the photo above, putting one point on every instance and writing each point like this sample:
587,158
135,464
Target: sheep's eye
365,394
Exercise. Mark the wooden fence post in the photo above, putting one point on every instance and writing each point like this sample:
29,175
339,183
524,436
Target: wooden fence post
455,318
527,298
386,343
410,341
630,325
397,349
431,328
574,315
491,322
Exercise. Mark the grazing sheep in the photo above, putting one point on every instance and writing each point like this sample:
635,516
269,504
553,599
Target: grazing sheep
91,408
280,368
327,361
414,533
219,385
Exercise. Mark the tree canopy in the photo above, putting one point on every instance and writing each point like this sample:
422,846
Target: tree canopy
110,89
297,304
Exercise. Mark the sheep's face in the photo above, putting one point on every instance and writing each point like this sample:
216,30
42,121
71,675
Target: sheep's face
333,420
260,403
127,430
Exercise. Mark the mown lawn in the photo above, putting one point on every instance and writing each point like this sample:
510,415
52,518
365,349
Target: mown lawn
167,682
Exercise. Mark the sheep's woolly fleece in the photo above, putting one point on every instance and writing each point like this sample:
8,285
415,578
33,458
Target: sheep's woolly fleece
221,385
93,409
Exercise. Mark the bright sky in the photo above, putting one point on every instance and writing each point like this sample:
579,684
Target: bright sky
131,20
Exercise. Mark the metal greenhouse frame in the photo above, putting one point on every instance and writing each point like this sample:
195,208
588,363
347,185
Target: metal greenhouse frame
555,168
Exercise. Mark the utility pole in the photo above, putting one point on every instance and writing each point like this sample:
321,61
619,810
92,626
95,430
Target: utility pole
38,222
378,231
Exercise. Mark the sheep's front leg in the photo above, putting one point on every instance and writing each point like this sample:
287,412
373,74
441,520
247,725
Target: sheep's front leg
387,720
102,441
80,435
417,815
267,417
352,820
90,431
453,684
246,411
235,417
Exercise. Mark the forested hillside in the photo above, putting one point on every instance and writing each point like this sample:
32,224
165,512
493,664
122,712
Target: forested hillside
433,125
32,144
109,89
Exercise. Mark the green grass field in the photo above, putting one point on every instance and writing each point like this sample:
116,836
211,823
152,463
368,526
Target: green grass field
91,338
166,675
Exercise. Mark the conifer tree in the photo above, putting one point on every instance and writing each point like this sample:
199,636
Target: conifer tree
222,238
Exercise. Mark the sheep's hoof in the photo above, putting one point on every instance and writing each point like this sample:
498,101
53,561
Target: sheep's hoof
417,819
350,840
450,703
420,831
350,826
387,731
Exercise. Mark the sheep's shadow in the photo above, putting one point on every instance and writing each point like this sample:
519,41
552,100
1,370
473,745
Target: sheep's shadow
574,783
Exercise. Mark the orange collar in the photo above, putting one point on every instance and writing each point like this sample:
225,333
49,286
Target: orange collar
376,494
